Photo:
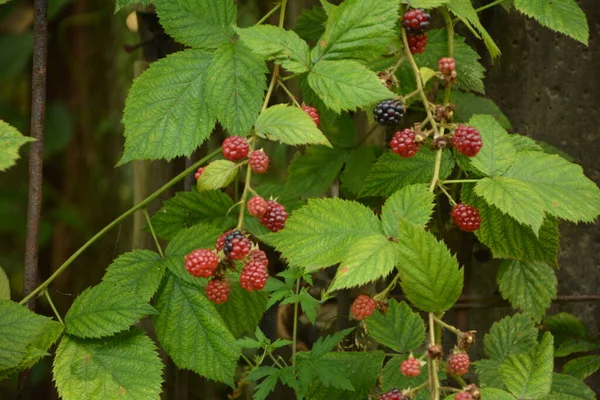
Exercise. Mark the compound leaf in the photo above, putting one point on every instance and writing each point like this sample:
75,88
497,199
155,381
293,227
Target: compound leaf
399,328
511,335
464,10
414,203
497,152
217,174
139,271
289,125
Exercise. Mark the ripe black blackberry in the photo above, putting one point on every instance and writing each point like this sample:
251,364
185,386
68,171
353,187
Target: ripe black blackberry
237,245
389,112
416,21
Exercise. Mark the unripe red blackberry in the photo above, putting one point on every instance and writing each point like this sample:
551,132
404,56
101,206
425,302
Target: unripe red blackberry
199,172
389,112
259,161
463,396
467,140
394,394
217,291
313,113
458,364
235,148
201,263
447,66
466,217
258,255
417,43
254,276
237,245
416,21
363,307
257,206
275,217
403,143
410,367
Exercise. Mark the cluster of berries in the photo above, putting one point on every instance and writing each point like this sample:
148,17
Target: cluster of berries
415,22
230,246
271,214
447,68
236,148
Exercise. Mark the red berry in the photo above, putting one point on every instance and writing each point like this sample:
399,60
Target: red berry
466,217
235,148
411,367
394,394
417,43
312,112
463,396
415,21
447,66
254,276
221,240
257,206
199,172
403,143
458,364
217,291
467,140
237,245
363,307
201,262
275,217
259,161
258,255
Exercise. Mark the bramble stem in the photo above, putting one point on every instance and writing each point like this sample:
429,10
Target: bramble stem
492,4
247,361
433,377
274,360
156,242
461,181
382,295
295,332
117,221
443,189
240,224
450,29
436,170
447,326
267,15
53,307
419,388
290,94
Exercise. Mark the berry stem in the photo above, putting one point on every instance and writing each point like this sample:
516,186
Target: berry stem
383,294
247,360
419,80
290,94
450,389
274,359
267,15
452,329
450,29
436,169
434,382
156,242
443,189
295,331
144,203
53,307
411,94
419,388
461,181
492,4
458,380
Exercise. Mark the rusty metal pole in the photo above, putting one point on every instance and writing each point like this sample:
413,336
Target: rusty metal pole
36,150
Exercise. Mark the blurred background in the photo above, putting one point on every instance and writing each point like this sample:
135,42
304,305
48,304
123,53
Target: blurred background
546,84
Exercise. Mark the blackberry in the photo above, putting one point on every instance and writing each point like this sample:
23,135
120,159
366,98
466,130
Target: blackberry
467,140
254,276
394,394
259,161
363,307
410,367
313,113
458,364
466,217
257,206
463,396
236,245
389,112
447,66
275,217
417,43
403,143
416,21
258,255
235,148
221,240
217,291
201,263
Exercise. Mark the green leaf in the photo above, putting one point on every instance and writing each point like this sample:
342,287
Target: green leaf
166,112
140,271
236,82
582,367
22,332
289,125
487,372
357,167
310,306
321,233
490,394
399,328
524,143
391,172
497,153
510,335
515,198
190,208
565,387
367,260
469,104
563,326
217,174
4,286
192,332
104,310
574,345
505,236
464,10
563,16
414,203
528,286
327,343
119,4
282,46
358,30
124,367
565,191
346,85
426,4
312,173
10,142
311,23
361,369
430,276
529,375
198,23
